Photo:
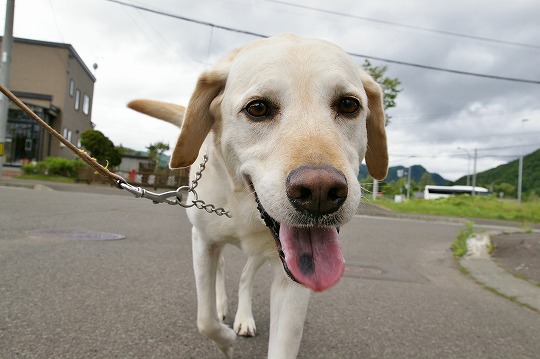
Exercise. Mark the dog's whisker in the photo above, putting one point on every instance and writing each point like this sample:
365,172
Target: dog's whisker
248,196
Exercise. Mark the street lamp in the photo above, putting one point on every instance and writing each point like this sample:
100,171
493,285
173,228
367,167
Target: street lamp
468,164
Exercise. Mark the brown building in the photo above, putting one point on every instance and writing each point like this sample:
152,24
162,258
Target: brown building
53,81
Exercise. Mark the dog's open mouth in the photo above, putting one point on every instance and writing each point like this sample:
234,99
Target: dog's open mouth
311,255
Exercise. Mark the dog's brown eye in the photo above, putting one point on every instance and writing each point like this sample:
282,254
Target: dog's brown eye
257,110
348,106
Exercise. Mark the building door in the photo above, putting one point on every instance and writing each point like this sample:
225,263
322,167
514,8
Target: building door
23,139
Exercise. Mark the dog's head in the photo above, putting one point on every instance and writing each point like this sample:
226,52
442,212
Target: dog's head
293,118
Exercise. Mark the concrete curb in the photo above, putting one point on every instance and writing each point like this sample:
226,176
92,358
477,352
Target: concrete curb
40,187
37,186
482,268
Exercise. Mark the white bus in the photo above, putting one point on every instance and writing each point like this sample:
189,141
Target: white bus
435,192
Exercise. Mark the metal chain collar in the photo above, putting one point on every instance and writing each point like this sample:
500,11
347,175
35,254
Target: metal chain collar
179,196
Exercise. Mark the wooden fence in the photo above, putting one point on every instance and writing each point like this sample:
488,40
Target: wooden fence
145,178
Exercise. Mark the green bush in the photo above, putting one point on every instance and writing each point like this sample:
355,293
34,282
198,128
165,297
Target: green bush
54,166
29,169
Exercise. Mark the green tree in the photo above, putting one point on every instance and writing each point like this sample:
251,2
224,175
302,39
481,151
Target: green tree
101,148
155,150
397,187
389,85
507,190
426,179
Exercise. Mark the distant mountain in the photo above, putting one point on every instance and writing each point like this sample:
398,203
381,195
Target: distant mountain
508,173
417,171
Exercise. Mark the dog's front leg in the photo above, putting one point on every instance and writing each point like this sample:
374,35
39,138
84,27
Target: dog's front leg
288,306
244,324
205,264
221,293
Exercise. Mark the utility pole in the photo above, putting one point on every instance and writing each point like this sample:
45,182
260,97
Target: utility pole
474,172
520,171
409,183
468,165
375,190
5,65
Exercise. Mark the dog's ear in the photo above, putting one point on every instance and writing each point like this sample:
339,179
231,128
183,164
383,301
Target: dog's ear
377,151
165,111
199,118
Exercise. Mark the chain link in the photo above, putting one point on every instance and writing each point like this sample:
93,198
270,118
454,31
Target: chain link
200,204
179,197
198,174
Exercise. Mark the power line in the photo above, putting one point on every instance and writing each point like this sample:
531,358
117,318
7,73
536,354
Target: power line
434,155
537,82
205,23
507,147
404,63
415,120
405,26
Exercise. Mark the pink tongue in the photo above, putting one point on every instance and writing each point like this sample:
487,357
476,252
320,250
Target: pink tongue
313,255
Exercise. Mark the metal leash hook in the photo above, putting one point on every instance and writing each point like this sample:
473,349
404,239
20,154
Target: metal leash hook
169,197
179,196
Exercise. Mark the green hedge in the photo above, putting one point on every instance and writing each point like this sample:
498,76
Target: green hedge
54,166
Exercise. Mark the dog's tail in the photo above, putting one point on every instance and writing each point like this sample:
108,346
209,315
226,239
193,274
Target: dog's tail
165,111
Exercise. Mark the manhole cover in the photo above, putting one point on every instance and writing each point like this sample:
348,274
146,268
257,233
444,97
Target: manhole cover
388,272
76,235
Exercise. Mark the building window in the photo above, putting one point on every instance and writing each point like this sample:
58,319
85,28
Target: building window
86,104
67,134
77,100
71,88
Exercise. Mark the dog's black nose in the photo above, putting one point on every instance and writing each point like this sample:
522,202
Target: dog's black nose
316,190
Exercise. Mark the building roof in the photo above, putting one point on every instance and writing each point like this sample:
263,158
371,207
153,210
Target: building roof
68,47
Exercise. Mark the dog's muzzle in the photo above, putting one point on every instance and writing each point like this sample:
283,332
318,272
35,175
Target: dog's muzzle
309,249
316,190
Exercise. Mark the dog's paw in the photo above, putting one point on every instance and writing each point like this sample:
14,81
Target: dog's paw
245,327
222,335
227,344
228,351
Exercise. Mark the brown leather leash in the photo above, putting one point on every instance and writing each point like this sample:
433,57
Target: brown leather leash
178,197
111,177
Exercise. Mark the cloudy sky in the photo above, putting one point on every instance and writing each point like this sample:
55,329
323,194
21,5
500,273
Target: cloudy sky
145,55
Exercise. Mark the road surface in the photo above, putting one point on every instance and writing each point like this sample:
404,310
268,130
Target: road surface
402,295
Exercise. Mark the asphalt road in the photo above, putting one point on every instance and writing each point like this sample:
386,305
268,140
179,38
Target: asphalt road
402,295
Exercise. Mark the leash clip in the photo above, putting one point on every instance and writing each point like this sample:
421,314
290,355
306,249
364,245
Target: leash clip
179,196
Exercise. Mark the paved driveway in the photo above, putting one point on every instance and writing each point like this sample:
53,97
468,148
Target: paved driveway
401,297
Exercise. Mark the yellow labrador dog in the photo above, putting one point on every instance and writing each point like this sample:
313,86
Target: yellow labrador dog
285,122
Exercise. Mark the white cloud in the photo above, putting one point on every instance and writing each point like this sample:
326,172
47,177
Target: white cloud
147,55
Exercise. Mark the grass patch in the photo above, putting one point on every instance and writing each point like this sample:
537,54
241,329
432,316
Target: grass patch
470,207
526,229
459,246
